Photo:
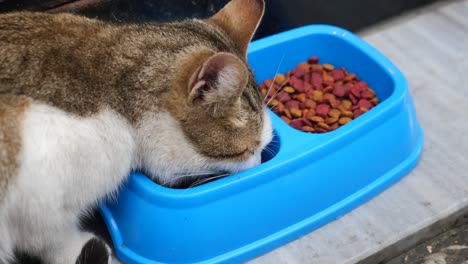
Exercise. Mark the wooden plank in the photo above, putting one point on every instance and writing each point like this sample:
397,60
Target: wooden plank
431,48
456,12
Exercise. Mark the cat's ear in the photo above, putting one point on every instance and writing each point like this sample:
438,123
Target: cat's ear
240,19
218,83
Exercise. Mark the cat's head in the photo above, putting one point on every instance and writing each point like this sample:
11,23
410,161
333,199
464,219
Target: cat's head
222,124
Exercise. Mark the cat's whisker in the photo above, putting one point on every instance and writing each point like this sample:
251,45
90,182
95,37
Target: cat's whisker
267,152
178,177
273,106
201,181
275,140
270,151
277,70
277,91
211,178
115,18
172,180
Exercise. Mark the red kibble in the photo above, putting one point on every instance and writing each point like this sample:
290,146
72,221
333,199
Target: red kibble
316,68
367,94
292,104
300,71
306,122
365,103
355,90
299,86
322,110
339,90
352,98
318,98
307,86
357,113
338,75
362,86
296,123
316,80
293,80
306,78
275,87
313,60
321,130
347,88
283,97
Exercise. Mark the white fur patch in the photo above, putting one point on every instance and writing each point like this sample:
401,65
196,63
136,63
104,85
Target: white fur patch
67,164
164,152
230,81
267,131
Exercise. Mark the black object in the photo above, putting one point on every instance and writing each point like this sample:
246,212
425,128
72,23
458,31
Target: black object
95,251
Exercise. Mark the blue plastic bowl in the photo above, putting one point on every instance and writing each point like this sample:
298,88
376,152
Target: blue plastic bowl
312,180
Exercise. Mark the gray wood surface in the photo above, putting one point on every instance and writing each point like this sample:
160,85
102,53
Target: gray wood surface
430,46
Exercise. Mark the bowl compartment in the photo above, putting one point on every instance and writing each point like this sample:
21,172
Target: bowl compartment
312,180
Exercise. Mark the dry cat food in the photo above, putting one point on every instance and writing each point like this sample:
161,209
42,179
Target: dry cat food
318,98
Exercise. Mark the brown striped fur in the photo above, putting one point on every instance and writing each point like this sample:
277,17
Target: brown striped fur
84,102
12,109
82,65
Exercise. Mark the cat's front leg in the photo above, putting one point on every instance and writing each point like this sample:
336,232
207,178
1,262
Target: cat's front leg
79,248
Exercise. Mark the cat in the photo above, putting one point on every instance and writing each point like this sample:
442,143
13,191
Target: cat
83,103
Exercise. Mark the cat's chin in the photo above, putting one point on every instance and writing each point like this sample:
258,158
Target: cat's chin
250,163
195,177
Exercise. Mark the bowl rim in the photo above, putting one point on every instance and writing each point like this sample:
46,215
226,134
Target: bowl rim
153,192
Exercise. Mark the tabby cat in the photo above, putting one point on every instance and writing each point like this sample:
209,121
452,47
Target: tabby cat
83,103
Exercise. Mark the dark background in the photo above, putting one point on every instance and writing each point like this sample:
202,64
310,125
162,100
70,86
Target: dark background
280,15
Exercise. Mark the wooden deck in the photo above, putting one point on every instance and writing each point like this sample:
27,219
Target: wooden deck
430,46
